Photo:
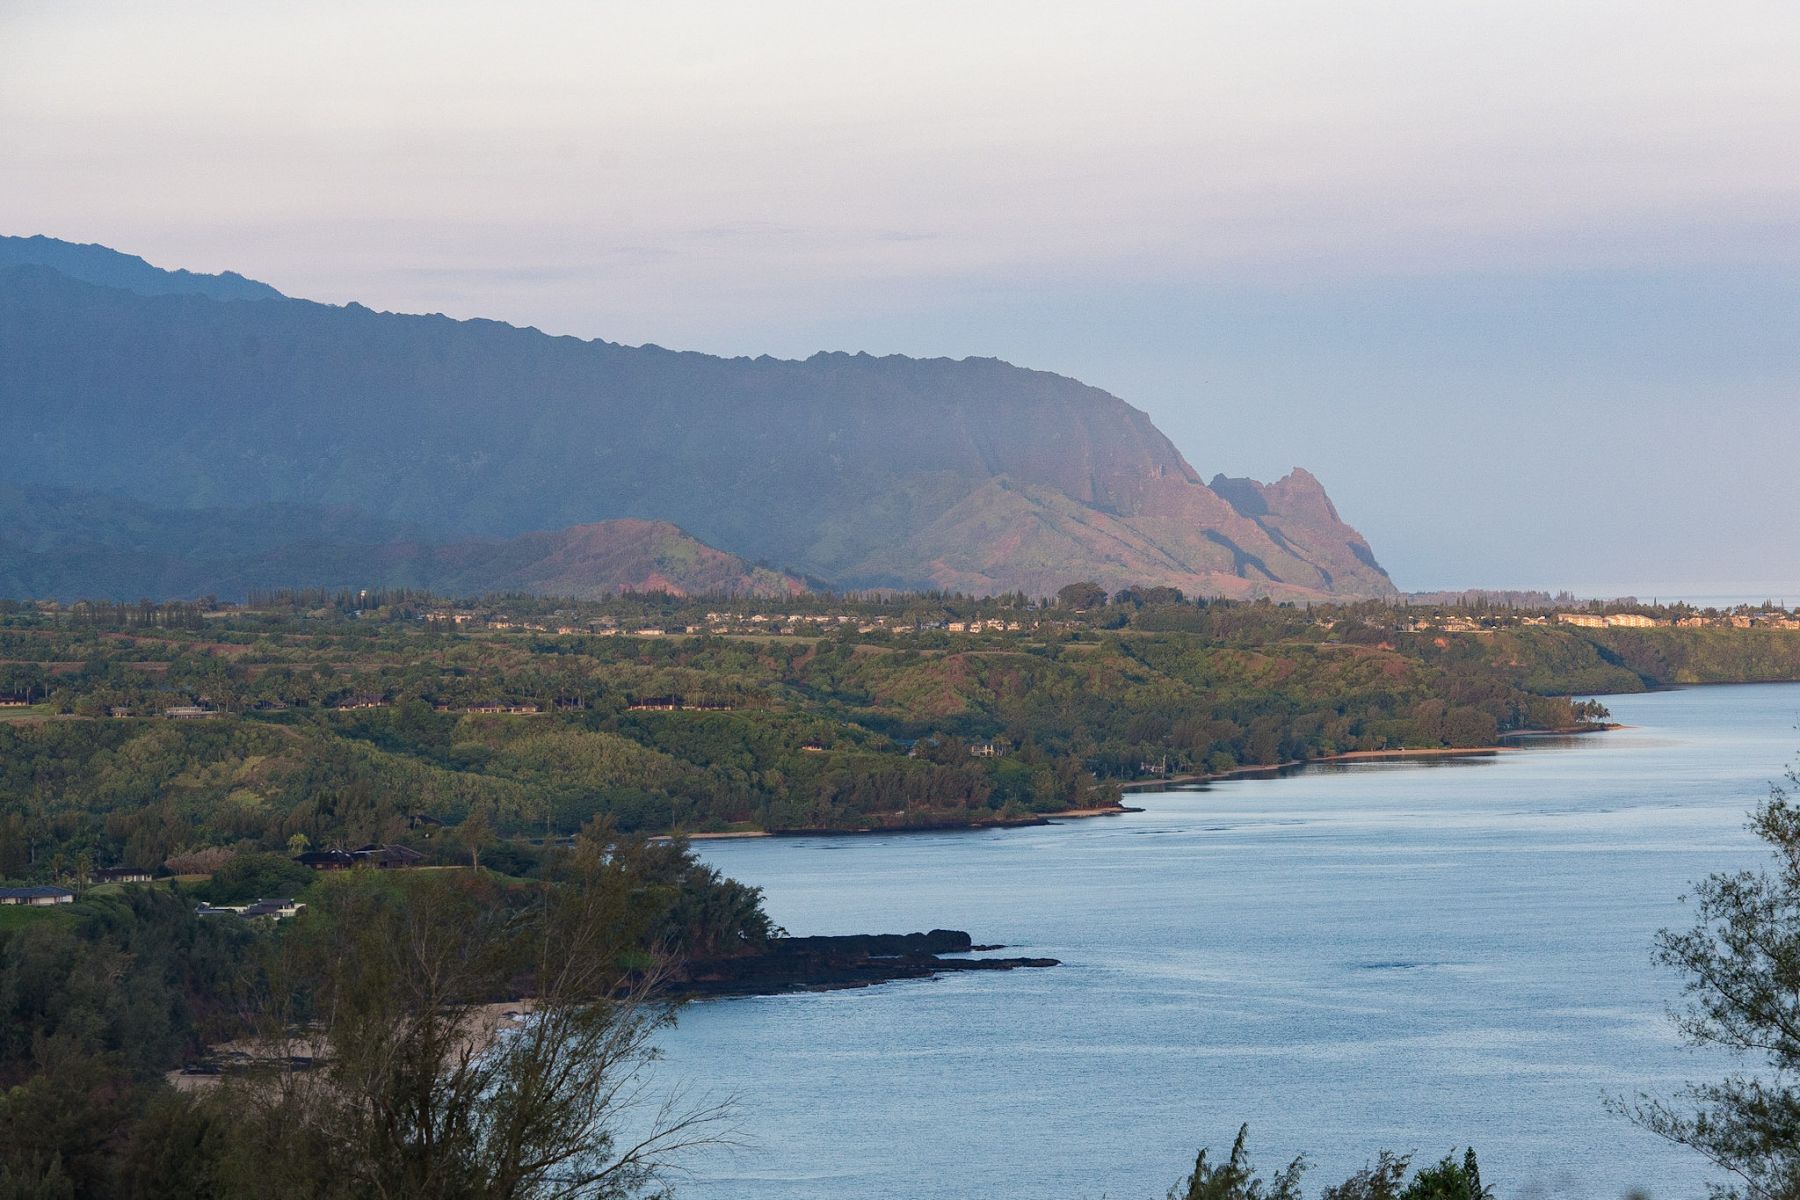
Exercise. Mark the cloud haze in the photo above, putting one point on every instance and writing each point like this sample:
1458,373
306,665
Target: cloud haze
1519,280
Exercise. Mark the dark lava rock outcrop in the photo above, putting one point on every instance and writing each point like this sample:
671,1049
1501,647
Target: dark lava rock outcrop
817,964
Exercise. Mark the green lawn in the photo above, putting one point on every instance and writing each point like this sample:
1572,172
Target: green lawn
17,916
114,889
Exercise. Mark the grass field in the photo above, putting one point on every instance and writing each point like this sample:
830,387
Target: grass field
17,916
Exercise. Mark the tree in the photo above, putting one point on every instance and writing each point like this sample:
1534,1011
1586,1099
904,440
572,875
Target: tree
1086,594
1448,1179
1741,960
1236,1180
475,833
390,983
1382,1181
255,876
15,846
1386,1179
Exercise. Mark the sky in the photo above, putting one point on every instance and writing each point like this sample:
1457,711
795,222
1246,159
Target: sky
1519,281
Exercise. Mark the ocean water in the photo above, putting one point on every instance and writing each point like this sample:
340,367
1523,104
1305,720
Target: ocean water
1410,956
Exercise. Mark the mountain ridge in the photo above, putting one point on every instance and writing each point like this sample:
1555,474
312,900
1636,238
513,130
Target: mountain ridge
106,267
855,469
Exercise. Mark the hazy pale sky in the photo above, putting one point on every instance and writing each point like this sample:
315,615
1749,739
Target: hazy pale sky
1519,281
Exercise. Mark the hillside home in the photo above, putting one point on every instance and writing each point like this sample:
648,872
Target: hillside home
371,855
36,897
326,860
386,857
279,909
123,875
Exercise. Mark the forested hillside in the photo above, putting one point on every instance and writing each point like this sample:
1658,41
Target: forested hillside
343,724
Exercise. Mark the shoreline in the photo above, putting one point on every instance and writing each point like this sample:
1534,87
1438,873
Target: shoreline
1267,771
1102,810
1351,756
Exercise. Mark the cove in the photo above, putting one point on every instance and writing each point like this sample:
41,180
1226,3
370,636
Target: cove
1403,954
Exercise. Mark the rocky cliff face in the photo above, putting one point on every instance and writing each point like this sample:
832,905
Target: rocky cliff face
860,471
1295,511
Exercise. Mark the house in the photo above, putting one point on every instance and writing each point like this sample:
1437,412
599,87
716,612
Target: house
36,897
371,855
187,712
278,909
326,860
386,857
123,875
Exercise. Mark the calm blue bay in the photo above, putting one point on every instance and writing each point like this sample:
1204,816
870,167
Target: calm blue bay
1348,958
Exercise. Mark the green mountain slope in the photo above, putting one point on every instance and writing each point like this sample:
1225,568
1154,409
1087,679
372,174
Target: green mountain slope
65,545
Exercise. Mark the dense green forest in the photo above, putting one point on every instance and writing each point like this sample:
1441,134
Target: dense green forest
317,720
326,724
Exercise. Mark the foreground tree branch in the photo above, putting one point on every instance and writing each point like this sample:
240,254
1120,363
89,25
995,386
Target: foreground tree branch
419,1090
1741,963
